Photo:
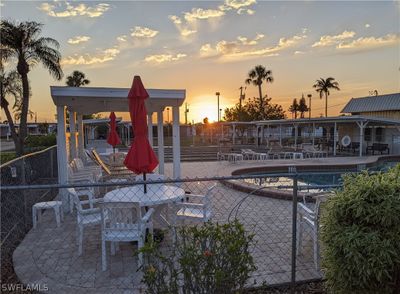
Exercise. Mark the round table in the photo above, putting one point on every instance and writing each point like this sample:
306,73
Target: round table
156,194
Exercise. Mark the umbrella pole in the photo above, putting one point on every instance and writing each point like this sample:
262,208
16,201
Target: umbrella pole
145,186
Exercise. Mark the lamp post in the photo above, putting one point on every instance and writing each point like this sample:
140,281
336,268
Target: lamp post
242,96
167,121
309,105
218,93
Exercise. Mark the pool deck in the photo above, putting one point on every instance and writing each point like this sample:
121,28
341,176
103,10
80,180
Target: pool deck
48,255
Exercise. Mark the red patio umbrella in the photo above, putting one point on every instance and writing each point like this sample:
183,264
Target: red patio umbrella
113,138
141,157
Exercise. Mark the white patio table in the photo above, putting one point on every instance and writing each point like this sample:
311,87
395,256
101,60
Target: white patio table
157,196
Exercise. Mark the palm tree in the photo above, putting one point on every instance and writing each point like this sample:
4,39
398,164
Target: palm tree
302,106
294,108
22,41
323,86
77,79
256,76
10,85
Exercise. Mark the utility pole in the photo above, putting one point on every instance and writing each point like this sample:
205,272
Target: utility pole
309,105
218,93
186,113
242,96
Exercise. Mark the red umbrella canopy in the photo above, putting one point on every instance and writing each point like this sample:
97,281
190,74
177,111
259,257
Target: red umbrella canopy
141,157
113,138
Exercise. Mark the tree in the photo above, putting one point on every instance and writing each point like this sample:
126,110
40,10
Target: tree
10,85
253,111
294,108
323,86
77,79
205,121
302,106
256,76
22,42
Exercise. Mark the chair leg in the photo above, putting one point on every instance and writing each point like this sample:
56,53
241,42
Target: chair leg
34,217
112,248
58,217
299,236
103,255
80,240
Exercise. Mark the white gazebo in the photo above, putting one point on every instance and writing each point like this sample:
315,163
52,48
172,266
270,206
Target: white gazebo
88,100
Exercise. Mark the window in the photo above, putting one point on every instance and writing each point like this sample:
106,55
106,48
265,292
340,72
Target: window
367,134
379,135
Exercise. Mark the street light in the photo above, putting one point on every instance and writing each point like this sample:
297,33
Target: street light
218,93
309,105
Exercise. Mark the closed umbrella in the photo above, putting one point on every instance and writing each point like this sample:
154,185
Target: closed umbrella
113,138
141,157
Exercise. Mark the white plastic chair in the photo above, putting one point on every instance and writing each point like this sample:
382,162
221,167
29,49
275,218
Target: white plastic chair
309,218
80,178
122,222
96,170
85,216
38,207
198,211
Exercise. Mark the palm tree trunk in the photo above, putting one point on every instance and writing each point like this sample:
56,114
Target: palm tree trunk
326,104
14,135
23,129
261,100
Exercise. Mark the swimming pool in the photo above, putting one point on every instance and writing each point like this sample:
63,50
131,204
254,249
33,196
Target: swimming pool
311,181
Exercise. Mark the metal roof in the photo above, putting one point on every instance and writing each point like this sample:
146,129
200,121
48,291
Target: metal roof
88,100
373,103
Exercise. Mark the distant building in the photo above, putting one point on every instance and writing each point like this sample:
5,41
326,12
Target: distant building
381,106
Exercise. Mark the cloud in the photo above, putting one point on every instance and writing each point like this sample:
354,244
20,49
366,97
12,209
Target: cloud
237,4
162,58
78,39
200,13
143,32
186,24
67,9
367,25
328,40
298,52
243,47
365,43
122,38
90,59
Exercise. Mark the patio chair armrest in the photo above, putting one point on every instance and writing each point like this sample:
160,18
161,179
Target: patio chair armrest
148,215
191,205
90,211
303,207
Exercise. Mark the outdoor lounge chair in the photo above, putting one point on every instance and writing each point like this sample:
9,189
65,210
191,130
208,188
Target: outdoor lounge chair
123,222
310,151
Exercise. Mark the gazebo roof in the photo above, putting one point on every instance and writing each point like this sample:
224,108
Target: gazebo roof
88,100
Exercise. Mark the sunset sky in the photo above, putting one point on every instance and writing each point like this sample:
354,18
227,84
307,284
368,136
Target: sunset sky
209,46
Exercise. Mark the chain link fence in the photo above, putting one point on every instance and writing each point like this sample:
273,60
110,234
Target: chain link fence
16,206
87,238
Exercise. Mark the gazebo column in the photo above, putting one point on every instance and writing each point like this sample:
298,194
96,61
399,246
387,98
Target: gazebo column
81,143
334,138
233,134
72,131
256,136
62,155
262,135
280,135
296,127
150,128
160,141
313,134
176,144
268,134
362,126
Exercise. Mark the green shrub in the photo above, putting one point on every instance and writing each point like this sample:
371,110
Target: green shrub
361,234
41,140
6,156
206,259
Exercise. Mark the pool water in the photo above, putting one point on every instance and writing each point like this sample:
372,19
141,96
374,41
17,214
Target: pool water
323,179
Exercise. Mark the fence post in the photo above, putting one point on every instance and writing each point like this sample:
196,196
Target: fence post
294,235
51,163
23,182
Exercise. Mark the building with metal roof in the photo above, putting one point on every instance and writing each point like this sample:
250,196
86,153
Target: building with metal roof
384,106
